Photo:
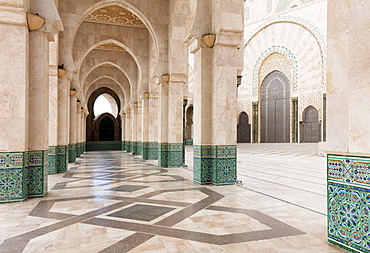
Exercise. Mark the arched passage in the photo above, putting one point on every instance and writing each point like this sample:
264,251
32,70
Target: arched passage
90,127
106,128
244,128
275,108
310,126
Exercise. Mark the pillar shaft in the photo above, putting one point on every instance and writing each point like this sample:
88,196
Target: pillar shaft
153,126
14,108
72,129
63,123
163,125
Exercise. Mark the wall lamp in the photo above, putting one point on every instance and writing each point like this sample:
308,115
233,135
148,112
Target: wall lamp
209,39
34,21
72,92
61,70
166,77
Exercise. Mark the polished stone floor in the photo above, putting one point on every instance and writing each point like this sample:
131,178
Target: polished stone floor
113,202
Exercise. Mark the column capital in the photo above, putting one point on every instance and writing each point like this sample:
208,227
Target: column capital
177,78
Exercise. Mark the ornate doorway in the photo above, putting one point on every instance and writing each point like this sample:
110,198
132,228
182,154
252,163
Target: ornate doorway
310,127
106,129
275,108
244,129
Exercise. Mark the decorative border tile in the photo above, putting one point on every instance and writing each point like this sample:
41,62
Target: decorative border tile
349,202
13,177
163,154
62,159
52,160
37,173
123,147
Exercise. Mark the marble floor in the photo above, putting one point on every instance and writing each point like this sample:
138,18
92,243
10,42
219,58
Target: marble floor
113,202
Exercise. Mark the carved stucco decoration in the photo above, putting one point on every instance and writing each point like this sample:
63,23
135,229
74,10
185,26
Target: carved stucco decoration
115,15
110,46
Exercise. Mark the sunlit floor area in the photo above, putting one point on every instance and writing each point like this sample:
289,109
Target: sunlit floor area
113,202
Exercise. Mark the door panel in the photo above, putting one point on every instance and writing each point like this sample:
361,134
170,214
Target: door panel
275,108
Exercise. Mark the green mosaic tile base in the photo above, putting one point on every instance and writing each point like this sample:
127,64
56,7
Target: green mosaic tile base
72,153
202,164
37,173
13,177
170,155
134,147
152,150
349,202
163,154
129,146
62,159
139,148
123,145
52,160
214,165
189,142
78,149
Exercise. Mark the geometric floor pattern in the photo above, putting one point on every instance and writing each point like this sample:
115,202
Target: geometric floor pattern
113,202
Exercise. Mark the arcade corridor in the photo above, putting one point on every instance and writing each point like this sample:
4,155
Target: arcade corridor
113,202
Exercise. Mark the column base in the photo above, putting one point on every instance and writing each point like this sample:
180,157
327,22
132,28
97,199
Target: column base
62,159
78,150
348,201
215,164
72,153
139,148
52,160
129,146
123,147
170,155
13,177
37,173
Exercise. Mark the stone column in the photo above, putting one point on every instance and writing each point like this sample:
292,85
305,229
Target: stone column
163,125
139,129
13,103
348,136
203,163
215,110
145,126
63,123
175,120
53,106
72,129
128,133
153,126
78,131
123,122
134,129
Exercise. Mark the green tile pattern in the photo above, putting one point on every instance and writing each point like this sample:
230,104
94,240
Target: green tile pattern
123,145
189,142
170,155
349,202
13,177
129,146
78,149
52,160
153,151
62,159
37,173
202,164
139,148
134,147
72,153
103,145
214,164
